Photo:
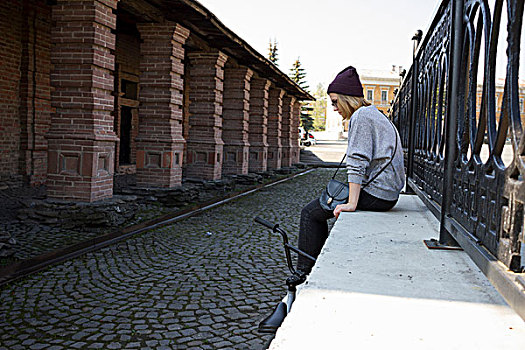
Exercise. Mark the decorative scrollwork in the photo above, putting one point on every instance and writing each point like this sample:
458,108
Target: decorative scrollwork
487,194
432,62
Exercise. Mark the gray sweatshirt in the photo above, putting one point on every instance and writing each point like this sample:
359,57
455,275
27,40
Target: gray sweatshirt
371,142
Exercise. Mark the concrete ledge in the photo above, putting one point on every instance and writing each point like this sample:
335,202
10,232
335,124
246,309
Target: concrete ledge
376,285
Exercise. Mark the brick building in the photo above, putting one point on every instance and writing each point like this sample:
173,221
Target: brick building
157,87
379,86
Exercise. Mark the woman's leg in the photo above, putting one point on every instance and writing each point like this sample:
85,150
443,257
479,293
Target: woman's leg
371,203
313,231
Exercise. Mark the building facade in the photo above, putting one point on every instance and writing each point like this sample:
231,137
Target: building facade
379,86
160,88
500,88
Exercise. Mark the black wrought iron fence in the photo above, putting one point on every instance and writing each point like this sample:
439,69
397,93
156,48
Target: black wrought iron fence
461,117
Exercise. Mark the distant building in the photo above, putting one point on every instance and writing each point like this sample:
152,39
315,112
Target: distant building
379,86
500,86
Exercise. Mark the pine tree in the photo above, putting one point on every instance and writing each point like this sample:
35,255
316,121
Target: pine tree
298,75
272,52
307,122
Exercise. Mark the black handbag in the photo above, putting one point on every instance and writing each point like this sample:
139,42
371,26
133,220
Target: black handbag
336,192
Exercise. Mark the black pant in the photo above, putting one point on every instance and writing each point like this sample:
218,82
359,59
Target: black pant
313,229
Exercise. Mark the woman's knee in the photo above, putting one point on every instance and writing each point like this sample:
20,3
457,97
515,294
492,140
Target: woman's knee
309,208
314,211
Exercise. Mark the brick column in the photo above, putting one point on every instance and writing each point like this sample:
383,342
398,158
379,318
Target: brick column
275,110
294,135
286,131
81,138
204,144
235,112
160,143
35,90
259,89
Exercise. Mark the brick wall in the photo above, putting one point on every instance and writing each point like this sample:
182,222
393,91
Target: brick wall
160,143
35,111
258,126
204,143
127,53
10,42
286,131
235,113
24,89
58,112
275,111
186,109
294,127
81,138
36,94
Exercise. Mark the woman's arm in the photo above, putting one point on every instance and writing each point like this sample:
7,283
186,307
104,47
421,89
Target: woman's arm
353,197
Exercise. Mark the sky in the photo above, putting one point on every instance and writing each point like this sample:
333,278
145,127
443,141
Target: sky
328,35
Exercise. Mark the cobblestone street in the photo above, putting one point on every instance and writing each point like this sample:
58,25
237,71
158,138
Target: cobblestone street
203,283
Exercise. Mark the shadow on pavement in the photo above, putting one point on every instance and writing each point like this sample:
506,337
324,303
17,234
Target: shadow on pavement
311,159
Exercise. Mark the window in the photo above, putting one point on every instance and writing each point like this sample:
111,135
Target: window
384,96
370,95
129,89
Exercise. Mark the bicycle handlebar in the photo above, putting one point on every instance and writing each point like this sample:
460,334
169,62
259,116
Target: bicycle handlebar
287,246
266,223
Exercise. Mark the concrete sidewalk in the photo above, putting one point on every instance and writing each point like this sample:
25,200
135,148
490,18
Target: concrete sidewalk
324,153
377,286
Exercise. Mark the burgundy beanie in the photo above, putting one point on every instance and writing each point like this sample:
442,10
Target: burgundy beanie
347,83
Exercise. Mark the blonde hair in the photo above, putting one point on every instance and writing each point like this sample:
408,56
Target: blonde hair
349,104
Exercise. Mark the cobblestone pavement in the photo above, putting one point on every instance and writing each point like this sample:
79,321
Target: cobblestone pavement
33,237
203,283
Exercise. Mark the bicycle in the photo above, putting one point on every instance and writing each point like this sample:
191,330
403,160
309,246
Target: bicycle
271,323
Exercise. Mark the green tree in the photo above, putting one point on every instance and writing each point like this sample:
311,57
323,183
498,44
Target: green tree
307,122
319,108
298,75
272,52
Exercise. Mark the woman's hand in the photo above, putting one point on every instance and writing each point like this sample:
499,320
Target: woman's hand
343,207
353,197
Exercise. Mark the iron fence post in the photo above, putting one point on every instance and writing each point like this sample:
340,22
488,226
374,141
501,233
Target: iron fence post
445,238
413,106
